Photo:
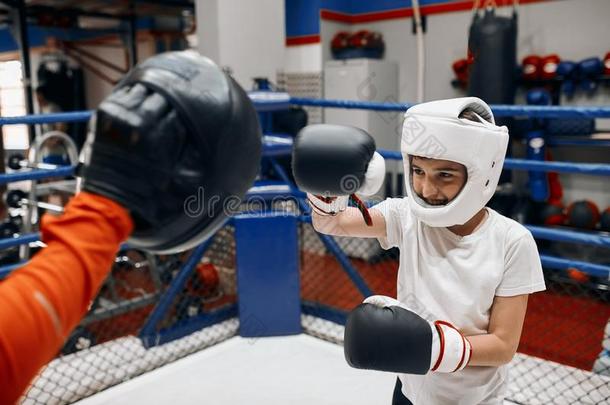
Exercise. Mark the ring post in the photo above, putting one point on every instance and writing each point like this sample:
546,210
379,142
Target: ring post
268,274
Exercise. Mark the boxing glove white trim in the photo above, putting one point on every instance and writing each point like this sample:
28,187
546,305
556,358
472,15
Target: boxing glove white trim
374,176
451,351
385,301
327,206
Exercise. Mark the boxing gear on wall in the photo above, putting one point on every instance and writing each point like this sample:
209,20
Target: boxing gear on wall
333,163
583,214
531,67
460,69
548,67
534,67
553,213
367,39
566,71
589,72
340,41
383,334
604,222
363,43
536,148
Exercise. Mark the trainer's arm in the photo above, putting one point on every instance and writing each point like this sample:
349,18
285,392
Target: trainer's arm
499,345
350,223
43,301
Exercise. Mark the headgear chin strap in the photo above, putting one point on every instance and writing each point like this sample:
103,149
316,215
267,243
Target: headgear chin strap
433,130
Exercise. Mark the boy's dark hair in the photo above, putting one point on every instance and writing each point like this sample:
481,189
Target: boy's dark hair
470,115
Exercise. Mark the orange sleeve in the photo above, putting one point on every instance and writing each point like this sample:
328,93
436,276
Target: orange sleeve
44,300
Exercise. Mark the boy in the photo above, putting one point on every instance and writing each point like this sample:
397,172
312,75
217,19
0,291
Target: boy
465,271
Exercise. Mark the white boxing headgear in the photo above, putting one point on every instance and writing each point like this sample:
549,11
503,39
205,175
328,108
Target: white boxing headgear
433,130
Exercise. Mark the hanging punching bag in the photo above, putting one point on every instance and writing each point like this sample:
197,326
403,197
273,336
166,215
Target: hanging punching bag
492,45
492,48
55,79
62,83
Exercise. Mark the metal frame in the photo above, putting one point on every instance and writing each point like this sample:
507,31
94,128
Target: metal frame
328,241
148,332
20,11
20,32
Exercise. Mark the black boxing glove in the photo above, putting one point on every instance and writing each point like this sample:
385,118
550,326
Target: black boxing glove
333,163
383,334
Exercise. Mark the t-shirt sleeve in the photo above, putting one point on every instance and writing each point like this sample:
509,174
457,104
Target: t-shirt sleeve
523,270
393,213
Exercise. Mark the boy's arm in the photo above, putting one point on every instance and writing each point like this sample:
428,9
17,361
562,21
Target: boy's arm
350,223
522,276
499,345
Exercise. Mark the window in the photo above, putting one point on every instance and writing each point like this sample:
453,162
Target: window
12,103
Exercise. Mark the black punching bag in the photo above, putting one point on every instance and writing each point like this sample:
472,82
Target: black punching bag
62,83
492,44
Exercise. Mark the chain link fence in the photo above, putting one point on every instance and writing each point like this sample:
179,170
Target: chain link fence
563,354
327,291
108,348
563,357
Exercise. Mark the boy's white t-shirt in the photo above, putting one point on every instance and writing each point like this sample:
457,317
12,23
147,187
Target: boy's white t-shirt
443,276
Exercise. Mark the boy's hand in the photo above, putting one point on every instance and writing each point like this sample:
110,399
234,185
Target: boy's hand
333,163
384,334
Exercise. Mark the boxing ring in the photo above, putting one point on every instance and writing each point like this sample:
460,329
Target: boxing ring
267,296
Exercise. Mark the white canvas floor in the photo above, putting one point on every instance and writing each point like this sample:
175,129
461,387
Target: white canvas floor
280,370
294,370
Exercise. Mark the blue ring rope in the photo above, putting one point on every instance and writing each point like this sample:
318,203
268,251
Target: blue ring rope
498,110
594,169
74,116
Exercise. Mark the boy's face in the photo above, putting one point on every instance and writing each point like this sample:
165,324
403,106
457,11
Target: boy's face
437,181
